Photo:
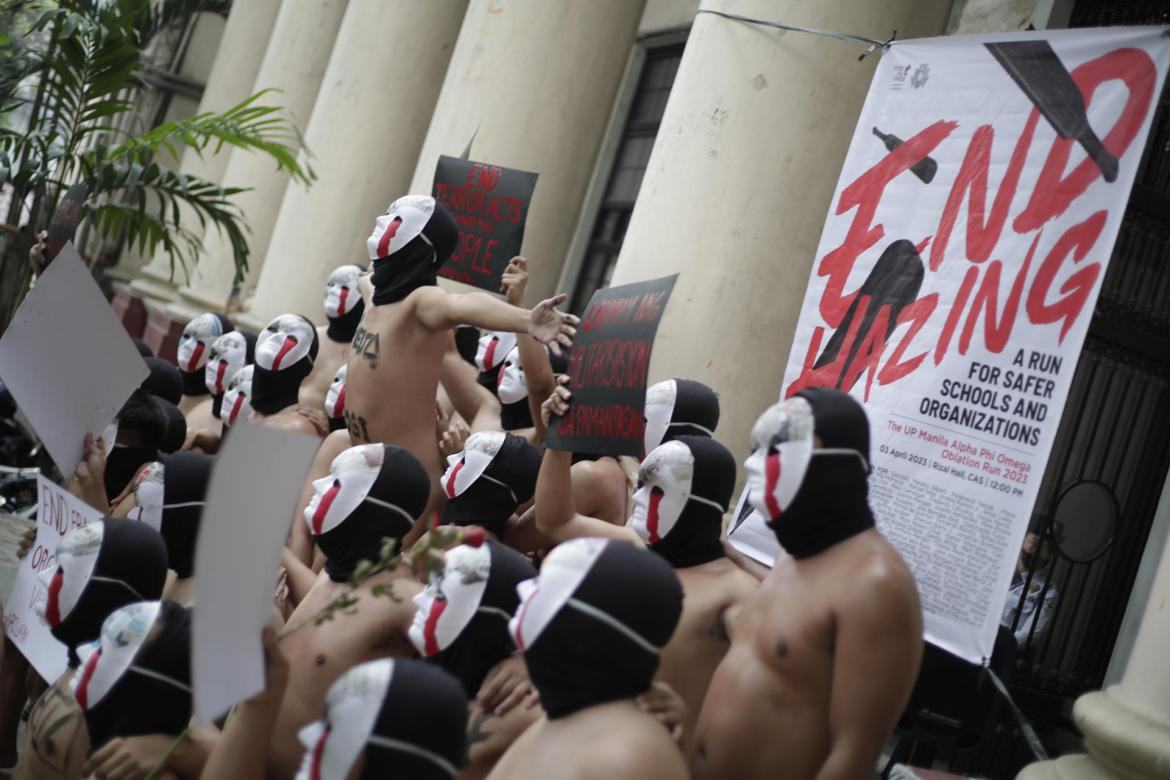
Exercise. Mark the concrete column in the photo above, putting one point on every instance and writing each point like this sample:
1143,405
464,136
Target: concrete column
739,183
294,65
367,127
237,61
1127,726
538,81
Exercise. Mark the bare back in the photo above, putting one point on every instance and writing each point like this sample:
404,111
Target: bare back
614,741
712,595
57,741
775,702
318,654
330,355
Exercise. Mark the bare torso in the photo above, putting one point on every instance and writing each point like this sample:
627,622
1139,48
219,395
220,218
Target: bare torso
330,355
767,710
613,741
712,595
489,736
297,418
57,741
318,654
392,380
200,418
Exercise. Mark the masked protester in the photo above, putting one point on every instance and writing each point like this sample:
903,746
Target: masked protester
193,351
285,354
487,482
136,679
591,628
374,494
229,353
142,429
164,380
335,400
834,631
391,718
343,307
237,403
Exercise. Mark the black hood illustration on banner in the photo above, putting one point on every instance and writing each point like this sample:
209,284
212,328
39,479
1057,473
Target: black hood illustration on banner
1034,66
894,282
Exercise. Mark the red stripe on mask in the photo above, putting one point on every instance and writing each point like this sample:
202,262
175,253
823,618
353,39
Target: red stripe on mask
387,234
341,296
236,409
451,479
432,642
52,605
319,754
290,342
652,515
323,506
339,404
518,636
193,363
82,692
771,479
490,352
219,372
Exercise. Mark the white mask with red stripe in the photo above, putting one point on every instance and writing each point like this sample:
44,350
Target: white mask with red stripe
148,495
402,223
664,489
103,663
493,347
465,468
228,355
335,497
782,447
196,341
287,340
335,396
236,404
450,600
542,598
341,291
77,555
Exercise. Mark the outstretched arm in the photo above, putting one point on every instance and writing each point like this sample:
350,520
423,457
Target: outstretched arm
439,310
878,649
556,511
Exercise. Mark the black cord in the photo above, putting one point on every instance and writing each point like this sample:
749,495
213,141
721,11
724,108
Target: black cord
874,44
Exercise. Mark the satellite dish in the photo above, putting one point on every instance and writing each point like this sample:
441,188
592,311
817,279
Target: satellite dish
1084,521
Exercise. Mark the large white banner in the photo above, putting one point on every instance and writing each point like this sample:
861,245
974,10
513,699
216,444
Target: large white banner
956,277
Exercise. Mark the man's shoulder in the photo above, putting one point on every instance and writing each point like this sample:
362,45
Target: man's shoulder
638,748
879,580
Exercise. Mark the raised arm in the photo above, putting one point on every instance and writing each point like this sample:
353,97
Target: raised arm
538,373
556,511
878,650
470,399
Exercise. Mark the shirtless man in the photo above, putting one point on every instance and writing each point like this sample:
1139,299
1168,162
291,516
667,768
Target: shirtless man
824,654
591,627
398,350
684,487
285,353
343,308
373,491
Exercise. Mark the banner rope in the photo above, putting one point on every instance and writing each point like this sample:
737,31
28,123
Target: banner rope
874,44
1030,736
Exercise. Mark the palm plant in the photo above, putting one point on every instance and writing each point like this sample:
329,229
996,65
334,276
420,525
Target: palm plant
75,76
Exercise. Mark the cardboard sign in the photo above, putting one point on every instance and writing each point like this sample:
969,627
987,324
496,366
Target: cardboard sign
67,360
490,204
253,492
956,277
607,370
749,533
58,513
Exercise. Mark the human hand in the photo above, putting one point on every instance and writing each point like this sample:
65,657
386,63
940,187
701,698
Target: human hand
515,280
553,328
129,758
663,703
89,479
36,253
26,541
506,686
454,438
558,403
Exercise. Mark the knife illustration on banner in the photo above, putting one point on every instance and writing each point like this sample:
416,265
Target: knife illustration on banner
1036,69
924,169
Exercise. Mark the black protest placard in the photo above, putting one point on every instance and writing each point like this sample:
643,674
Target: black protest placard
490,205
607,370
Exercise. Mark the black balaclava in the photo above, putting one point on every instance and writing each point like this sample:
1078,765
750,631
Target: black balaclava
176,435
684,487
593,623
408,718
487,495
462,617
185,478
679,407
828,503
194,346
343,303
100,567
512,388
145,418
164,380
137,678
410,242
142,347
229,353
466,342
282,362
372,491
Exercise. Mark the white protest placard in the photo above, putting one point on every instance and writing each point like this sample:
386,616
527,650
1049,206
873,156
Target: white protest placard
955,279
68,362
58,513
749,533
253,492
